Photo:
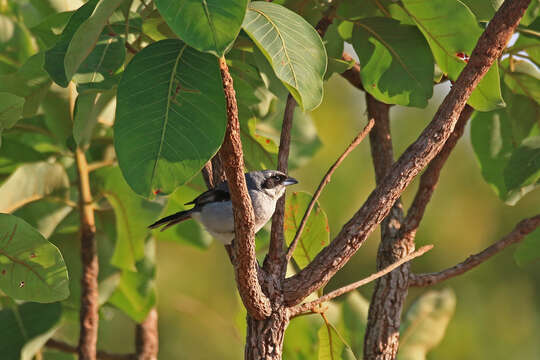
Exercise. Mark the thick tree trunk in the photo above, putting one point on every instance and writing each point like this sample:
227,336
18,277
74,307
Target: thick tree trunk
264,338
382,334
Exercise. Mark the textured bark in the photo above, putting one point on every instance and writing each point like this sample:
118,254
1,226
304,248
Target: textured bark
146,337
89,281
414,159
264,339
255,301
382,333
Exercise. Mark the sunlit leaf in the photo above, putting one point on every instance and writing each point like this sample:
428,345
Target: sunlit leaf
293,48
483,10
391,72
26,328
31,268
170,116
54,57
332,346
32,182
452,32
208,26
133,214
86,36
44,215
425,323
316,234
522,78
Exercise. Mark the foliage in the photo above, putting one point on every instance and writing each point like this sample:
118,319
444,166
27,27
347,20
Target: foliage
137,86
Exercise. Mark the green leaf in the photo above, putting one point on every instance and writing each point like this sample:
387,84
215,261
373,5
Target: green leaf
135,294
522,78
208,26
529,44
528,250
49,31
293,48
133,215
316,234
391,72
354,10
31,268
14,153
88,107
354,315
28,78
85,38
44,215
187,232
7,28
54,57
170,116
522,173
332,346
11,108
425,324
531,14
301,338
32,182
260,152
483,9
452,32
26,328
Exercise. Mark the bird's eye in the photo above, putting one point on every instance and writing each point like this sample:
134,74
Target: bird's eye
279,178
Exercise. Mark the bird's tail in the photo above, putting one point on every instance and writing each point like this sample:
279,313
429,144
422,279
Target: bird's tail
171,220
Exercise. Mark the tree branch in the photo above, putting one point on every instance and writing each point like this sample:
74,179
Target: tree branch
414,159
429,179
89,281
302,308
146,337
101,355
326,179
521,230
255,301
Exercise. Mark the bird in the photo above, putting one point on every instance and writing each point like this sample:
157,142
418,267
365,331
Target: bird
213,208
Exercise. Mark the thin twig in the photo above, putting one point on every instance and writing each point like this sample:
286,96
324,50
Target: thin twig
101,355
522,229
326,179
100,164
302,308
417,156
256,302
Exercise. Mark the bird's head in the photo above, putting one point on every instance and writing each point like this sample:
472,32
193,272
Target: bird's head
271,182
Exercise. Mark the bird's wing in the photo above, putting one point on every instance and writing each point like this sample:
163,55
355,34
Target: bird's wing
210,196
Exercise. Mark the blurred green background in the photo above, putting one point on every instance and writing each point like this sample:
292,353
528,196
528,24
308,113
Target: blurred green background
498,304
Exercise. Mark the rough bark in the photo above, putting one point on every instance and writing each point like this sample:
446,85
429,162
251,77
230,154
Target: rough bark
264,340
382,333
89,281
414,159
255,301
146,337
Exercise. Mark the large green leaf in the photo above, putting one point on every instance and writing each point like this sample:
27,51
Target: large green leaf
187,232
293,48
44,215
133,215
135,294
316,234
391,72
208,26
452,32
522,173
49,31
31,268
528,250
425,324
54,57
483,9
170,116
85,38
32,182
26,328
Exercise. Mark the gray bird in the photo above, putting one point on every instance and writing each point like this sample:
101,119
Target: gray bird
213,208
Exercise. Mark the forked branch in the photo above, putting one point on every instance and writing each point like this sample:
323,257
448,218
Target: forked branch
521,230
414,159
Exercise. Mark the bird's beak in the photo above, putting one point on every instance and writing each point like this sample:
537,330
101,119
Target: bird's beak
290,181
